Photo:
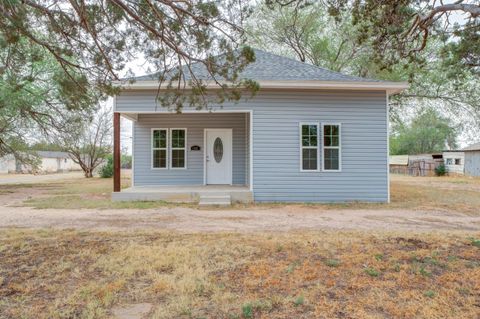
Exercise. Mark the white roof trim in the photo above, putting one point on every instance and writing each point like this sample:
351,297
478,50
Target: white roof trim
390,87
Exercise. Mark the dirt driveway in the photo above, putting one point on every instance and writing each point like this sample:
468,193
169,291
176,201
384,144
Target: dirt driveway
282,218
417,205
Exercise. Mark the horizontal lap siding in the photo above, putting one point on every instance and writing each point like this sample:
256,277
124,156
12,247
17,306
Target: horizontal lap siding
195,125
276,159
277,175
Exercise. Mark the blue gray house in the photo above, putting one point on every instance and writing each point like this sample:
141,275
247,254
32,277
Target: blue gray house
308,135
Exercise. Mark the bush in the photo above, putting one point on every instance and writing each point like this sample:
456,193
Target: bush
440,170
126,161
106,171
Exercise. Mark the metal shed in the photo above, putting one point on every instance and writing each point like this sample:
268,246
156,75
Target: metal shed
472,160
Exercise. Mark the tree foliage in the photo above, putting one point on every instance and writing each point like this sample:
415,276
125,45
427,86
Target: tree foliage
369,39
36,96
428,132
59,58
95,39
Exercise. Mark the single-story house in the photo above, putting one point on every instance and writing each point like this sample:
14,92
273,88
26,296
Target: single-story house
308,135
50,162
472,160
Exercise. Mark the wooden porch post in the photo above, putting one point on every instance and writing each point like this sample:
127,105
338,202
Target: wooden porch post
116,152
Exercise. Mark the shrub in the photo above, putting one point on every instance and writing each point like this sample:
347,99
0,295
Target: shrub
440,170
106,171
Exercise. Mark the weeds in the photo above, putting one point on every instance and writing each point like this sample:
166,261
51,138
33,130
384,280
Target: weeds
332,262
70,274
299,301
372,272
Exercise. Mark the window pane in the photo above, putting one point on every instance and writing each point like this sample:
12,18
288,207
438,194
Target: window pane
334,129
159,158
178,138
335,140
309,135
305,141
159,138
309,157
331,159
178,158
304,130
327,141
326,130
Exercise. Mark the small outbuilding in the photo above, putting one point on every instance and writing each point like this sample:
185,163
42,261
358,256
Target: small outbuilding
472,160
454,161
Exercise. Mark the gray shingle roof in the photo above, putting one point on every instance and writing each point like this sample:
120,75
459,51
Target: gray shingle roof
272,67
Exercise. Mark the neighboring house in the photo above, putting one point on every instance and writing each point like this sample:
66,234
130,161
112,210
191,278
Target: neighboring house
454,161
472,160
309,135
50,162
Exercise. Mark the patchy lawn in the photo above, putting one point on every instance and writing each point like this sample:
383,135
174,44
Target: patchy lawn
455,194
69,274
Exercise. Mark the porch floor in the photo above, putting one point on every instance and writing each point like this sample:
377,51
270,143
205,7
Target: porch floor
183,193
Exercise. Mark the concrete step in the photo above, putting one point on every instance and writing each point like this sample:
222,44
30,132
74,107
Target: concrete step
215,199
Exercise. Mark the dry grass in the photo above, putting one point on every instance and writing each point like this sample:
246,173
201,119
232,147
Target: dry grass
455,194
68,274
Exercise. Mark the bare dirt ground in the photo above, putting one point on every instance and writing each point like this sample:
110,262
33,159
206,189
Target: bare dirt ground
397,216
284,218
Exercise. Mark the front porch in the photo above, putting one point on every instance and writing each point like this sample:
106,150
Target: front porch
208,194
195,156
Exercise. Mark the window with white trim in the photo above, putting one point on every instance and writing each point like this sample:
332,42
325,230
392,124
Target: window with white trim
178,142
309,146
331,147
159,148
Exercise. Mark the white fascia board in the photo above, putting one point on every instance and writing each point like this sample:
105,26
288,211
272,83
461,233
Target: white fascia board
390,87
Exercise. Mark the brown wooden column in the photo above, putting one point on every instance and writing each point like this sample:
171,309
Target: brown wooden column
116,152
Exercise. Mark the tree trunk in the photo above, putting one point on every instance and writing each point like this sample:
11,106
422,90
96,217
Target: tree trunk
88,173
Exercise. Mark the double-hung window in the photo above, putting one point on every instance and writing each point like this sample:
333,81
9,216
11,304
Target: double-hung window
159,148
178,146
309,146
331,147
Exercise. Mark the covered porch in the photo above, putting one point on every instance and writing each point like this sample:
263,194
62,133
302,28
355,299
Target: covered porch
195,156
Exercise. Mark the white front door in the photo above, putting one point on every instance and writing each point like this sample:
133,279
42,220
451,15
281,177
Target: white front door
218,156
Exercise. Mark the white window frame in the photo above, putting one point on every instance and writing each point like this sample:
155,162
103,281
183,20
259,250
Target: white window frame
177,148
158,148
309,147
339,147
